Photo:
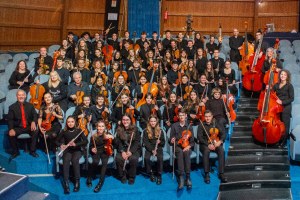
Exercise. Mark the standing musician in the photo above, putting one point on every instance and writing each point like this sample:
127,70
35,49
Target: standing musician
99,88
285,93
154,40
72,152
264,45
147,109
211,138
77,90
217,107
22,118
128,144
169,115
211,45
235,43
20,78
271,54
99,111
43,62
58,90
69,50
64,73
98,150
154,141
201,61
48,121
182,154
127,38
217,62
173,74
228,74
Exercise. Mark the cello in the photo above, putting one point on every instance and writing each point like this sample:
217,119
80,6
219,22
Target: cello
252,80
246,50
107,50
268,128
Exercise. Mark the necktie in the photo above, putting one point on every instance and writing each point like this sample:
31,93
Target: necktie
23,115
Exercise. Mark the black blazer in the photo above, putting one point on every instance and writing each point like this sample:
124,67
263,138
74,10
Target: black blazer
15,117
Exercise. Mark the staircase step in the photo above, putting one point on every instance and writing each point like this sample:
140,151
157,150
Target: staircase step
31,195
249,108
253,149
13,186
245,101
241,128
241,139
242,133
258,193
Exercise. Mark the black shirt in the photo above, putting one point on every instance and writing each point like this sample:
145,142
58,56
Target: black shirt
202,136
176,132
67,135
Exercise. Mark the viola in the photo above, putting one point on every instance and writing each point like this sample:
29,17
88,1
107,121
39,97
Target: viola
37,92
268,128
79,97
185,136
229,100
47,123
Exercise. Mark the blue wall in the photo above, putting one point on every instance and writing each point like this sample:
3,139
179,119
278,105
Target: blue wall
143,15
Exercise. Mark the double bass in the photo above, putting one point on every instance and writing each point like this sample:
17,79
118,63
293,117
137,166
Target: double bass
246,50
107,50
268,128
37,92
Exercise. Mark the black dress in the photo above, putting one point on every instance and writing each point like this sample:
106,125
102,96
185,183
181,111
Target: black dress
17,76
59,94
229,78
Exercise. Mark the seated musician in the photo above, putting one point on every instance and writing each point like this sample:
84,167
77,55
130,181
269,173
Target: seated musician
154,141
98,109
83,68
192,108
192,73
155,68
117,57
83,114
213,144
75,88
125,51
20,78
211,74
190,50
167,62
58,90
211,45
128,145
98,151
142,39
271,54
130,59
71,140
43,62
63,73
182,153
143,52
140,89
201,61
218,63
22,118
181,41
167,41
99,87
173,74
119,87
181,89
175,52
114,41
149,108
228,74
169,114
183,60
48,121
217,106
203,88
98,52
164,91
114,68
123,106
134,74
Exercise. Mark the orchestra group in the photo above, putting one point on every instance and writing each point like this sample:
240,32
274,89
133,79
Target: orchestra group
132,94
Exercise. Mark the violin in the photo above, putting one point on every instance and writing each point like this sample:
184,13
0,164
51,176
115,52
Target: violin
185,136
37,92
176,111
131,114
121,72
214,135
47,123
201,109
229,100
55,56
82,123
79,97
104,115
188,89
109,147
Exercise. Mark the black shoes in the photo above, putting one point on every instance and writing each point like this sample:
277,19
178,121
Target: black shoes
14,155
180,182
99,186
89,181
131,181
188,183
66,187
124,179
207,178
152,177
223,178
76,186
34,154
158,180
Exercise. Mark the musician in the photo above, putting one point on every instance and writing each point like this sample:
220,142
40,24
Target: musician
22,118
159,51
19,77
134,74
96,39
128,144
190,50
130,59
169,114
142,40
174,50
139,90
117,57
81,51
167,61
127,38
98,152
63,73
58,90
211,74
164,91
154,142
143,52
182,154
72,152
183,61
181,42
235,43
264,45
113,69
180,90
191,108
203,88
154,40
217,106
285,93
167,41
43,62
125,51
99,88
122,107
86,38
205,130
98,55
98,70
199,41
217,62
119,86
47,112
81,55
271,54
98,109
147,109
83,110
192,72
156,73
149,61
211,45
173,74
84,70
201,61
229,75
69,49
76,86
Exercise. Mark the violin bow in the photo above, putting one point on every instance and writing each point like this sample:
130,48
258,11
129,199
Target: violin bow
25,78
156,146
128,148
173,174
47,151
209,139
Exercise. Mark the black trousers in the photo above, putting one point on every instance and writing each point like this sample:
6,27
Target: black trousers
133,163
19,131
183,161
73,157
96,159
159,162
205,153
222,121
